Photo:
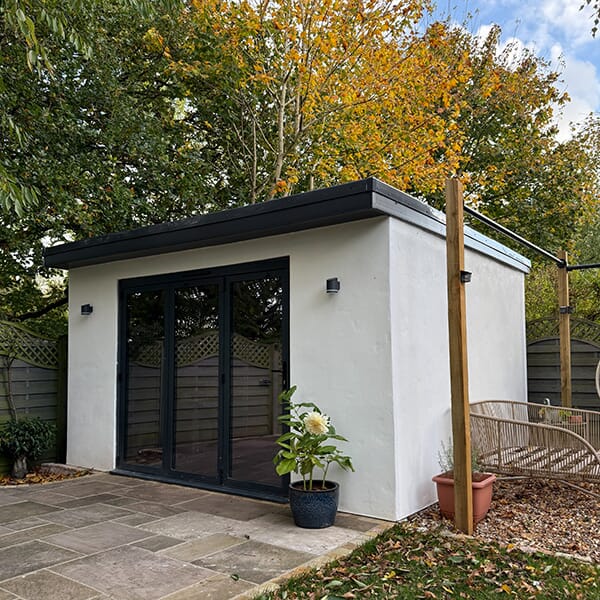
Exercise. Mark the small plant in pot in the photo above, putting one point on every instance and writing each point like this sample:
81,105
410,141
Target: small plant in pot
24,440
482,485
307,446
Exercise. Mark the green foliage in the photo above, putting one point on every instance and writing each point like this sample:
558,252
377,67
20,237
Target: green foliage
26,437
303,450
446,458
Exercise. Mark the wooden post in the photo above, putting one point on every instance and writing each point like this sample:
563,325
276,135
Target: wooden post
459,380
564,328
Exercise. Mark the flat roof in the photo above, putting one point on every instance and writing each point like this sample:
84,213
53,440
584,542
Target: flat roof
344,203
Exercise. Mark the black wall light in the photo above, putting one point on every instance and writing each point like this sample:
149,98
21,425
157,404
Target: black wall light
87,310
332,286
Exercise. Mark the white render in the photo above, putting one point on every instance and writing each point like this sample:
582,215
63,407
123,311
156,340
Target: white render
374,356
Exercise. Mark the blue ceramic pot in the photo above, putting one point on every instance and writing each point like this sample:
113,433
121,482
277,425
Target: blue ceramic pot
316,508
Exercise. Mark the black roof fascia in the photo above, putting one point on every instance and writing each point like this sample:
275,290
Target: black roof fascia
330,206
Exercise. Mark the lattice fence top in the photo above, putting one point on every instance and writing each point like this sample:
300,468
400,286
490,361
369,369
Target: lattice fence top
548,328
194,349
17,342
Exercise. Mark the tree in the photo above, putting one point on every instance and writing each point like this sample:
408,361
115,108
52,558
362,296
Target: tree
596,8
101,143
288,95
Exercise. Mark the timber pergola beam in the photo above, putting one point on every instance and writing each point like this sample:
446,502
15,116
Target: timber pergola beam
459,381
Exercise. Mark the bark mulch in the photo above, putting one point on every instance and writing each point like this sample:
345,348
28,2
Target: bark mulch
538,515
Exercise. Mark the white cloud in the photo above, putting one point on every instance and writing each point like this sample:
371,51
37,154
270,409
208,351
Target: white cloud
565,16
582,83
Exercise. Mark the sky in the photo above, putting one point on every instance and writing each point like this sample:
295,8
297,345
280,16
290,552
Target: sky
555,30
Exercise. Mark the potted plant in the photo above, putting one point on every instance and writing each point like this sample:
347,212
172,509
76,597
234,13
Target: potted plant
306,446
482,485
25,439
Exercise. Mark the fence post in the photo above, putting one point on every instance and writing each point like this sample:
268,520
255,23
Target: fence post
61,399
564,316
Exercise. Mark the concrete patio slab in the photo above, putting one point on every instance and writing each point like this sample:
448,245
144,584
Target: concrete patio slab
219,587
31,556
132,573
33,533
96,538
190,525
23,510
45,584
254,561
108,537
191,551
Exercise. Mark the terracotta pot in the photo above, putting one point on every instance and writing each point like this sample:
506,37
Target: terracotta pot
576,419
316,508
482,486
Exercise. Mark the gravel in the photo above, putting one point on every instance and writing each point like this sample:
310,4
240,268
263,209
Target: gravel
538,515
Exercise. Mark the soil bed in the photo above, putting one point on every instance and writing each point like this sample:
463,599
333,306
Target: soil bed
45,473
541,515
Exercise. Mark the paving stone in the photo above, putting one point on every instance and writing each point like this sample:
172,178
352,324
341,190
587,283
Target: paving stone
8,497
220,587
44,496
87,515
25,523
89,487
30,556
132,573
121,501
87,500
155,509
96,538
191,525
4,595
281,531
45,585
135,519
23,510
232,507
163,493
254,561
194,549
33,533
157,542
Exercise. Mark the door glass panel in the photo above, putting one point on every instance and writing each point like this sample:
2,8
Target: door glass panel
196,410
256,378
145,370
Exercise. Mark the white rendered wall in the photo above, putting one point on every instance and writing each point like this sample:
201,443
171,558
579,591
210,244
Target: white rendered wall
374,356
339,346
421,370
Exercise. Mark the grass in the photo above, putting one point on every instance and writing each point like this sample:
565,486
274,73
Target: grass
408,563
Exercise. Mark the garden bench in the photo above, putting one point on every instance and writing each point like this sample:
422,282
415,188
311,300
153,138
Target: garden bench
519,438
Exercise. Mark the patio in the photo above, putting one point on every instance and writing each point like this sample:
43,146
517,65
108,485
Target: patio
105,536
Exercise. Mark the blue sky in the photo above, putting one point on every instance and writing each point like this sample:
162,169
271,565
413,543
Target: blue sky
555,30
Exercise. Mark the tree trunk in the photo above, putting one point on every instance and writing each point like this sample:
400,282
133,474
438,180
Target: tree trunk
19,469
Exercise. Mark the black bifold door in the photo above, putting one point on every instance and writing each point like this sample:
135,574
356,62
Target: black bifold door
203,357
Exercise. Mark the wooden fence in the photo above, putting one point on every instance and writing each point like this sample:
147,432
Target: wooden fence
543,362
33,380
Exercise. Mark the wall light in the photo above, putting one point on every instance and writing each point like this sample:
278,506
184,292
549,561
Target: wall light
332,286
87,310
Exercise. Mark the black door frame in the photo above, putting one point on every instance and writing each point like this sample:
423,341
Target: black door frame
167,283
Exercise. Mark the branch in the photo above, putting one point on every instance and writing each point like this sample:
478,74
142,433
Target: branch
42,311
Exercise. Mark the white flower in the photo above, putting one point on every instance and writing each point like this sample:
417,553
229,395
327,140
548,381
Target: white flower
316,423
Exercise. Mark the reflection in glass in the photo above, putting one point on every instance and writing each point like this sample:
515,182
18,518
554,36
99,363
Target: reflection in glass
256,378
145,348
196,411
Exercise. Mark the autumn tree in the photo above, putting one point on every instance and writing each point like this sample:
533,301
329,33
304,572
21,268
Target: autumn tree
302,94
